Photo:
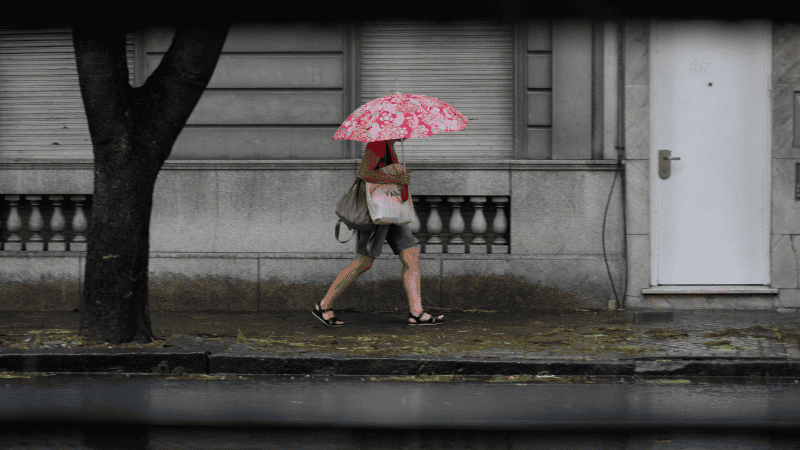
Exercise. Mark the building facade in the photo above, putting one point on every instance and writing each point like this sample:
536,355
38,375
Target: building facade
554,197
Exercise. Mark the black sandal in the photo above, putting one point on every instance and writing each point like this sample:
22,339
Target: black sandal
431,321
318,312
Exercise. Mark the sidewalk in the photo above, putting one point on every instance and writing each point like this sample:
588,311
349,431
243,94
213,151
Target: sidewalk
627,342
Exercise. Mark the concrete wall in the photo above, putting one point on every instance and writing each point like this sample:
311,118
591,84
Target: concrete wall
243,217
286,83
255,235
248,236
785,155
783,294
637,159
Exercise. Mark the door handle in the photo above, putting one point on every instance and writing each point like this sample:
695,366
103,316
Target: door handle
664,165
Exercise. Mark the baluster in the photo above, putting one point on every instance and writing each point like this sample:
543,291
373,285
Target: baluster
434,225
499,226
78,225
415,225
35,224
478,227
456,227
57,224
14,224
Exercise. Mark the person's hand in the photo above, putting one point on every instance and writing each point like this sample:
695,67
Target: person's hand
398,172
404,178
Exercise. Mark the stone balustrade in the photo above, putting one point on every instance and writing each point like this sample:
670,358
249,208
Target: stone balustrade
475,224
443,224
54,223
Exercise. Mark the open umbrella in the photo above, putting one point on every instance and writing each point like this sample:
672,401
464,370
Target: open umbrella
400,116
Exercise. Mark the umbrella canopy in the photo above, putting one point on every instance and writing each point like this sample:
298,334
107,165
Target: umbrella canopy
400,116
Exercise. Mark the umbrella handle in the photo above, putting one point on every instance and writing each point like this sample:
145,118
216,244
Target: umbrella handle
404,191
402,155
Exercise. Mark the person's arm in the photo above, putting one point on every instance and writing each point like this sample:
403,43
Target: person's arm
368,172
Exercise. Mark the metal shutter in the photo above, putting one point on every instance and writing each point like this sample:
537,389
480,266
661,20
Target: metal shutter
468,65
41,110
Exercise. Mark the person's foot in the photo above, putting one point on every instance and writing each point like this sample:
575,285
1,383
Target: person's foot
425,318
327,316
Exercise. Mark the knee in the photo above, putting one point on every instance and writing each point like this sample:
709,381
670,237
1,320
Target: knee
363,264
410,260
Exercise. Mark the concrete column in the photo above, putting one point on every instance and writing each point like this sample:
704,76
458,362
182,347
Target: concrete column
14,225
478,227
79,224
57,224
456,227
434,225
499,226
35,224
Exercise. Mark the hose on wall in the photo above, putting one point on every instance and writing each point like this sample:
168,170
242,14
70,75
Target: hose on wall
620,167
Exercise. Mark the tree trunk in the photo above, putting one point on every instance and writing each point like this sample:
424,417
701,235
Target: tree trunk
132,130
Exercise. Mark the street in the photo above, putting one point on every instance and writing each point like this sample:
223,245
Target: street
373,412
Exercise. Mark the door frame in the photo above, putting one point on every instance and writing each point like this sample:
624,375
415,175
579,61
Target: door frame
654,177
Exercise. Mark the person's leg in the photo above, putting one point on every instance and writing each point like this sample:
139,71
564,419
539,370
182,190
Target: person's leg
412,282
359,265
368,247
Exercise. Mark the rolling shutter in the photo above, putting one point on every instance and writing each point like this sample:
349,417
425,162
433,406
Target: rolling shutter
41,110
468,65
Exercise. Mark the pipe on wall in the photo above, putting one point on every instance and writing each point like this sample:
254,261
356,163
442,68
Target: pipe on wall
621,149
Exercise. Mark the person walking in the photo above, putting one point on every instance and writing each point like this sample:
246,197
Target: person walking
369,244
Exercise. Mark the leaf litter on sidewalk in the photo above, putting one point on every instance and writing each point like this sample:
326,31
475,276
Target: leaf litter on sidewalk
465,334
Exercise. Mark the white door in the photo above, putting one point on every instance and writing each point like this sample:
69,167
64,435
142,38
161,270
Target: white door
710,105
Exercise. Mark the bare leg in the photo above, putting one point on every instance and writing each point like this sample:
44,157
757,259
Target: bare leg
412,282
359,265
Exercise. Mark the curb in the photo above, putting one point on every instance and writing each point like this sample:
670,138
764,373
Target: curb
198,362
720,368
263,365
147,361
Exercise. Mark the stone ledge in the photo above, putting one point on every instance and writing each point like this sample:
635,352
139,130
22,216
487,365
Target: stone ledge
333,255
326,164
709,289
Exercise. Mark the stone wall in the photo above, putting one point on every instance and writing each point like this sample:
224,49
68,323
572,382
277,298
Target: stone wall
255,238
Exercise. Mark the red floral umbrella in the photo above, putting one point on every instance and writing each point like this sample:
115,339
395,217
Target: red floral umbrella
400,116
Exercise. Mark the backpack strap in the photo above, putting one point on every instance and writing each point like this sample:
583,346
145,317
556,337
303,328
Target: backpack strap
338,225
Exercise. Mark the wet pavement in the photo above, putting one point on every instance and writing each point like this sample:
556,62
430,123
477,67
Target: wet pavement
296,438
485,379
679,342
380,402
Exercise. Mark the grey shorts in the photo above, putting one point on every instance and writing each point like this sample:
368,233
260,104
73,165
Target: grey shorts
399,238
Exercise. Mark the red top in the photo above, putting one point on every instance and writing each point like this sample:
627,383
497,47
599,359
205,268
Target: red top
379,148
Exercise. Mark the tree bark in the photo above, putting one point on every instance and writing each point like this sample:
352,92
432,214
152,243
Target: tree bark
132,130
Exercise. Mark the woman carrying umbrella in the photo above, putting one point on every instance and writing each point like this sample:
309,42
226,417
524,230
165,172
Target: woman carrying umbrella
380,123
369,245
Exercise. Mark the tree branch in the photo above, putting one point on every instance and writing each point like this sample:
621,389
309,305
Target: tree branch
175,87
103,79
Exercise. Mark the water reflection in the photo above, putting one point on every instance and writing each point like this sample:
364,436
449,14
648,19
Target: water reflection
142,412
139,437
